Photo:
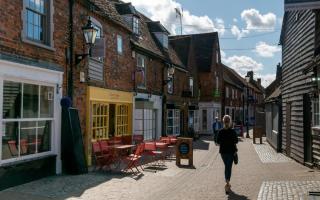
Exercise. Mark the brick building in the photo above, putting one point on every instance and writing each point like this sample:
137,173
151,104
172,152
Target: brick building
233,95
32,63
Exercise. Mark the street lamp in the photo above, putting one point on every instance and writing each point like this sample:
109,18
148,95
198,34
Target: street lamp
90,35
247,80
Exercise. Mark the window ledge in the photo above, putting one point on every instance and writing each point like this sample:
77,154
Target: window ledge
25,40
14,163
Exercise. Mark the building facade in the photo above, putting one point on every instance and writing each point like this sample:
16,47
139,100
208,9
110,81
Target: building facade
32,63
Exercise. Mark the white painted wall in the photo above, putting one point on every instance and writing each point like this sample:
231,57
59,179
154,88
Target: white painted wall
211,107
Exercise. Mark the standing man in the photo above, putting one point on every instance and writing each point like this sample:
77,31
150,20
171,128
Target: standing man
216,126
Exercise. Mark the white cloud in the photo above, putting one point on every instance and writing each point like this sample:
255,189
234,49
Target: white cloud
265,50
235,20
239,33
164,11
255,20
266,79
242,64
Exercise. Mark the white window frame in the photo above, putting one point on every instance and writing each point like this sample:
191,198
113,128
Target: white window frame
52,119
35,75
142,67
49,44
191,85
119,44
176,118
135,25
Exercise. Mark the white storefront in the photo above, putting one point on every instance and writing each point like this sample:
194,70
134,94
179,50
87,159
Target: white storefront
147,116
208,111
30,119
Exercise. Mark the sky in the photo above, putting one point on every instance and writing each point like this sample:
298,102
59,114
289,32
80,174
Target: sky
249,30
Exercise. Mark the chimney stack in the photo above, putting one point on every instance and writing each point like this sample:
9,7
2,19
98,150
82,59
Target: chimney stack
259,81
278,75
250,74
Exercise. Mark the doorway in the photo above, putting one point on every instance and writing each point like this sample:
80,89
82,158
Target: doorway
288,128
307,135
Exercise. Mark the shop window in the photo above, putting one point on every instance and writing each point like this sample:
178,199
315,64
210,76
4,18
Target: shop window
100,121
122,120
27,119
145,123
173,122
193,121
37,21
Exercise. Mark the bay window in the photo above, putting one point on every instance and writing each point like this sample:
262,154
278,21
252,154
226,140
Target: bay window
27,119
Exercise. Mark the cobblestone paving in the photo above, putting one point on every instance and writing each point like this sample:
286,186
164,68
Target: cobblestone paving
292,190
268,155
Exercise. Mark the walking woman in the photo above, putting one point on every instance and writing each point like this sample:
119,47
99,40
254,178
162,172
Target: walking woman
227,138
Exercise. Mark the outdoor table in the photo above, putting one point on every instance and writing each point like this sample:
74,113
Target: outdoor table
120,150
161,145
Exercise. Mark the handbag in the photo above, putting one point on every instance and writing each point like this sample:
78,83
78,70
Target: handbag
235,158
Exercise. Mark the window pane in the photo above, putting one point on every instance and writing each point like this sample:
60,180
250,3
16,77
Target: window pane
11,100
10,140
46,101
44,136
119,44
30,101
28,131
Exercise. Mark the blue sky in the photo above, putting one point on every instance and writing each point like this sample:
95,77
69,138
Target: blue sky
249,30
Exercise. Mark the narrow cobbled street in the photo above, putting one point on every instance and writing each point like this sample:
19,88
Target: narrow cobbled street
260,174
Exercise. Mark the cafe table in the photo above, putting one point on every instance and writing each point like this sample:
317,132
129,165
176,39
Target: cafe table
120,151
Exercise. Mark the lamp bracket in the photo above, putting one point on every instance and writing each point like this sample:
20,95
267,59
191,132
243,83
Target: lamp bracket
80,57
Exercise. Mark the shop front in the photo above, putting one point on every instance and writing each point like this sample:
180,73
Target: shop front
147,116
208,112
29,122
193,118
109,116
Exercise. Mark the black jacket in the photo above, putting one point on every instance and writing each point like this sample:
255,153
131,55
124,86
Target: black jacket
227,138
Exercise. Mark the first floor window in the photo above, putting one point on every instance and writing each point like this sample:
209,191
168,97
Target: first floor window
119,44
145,123
173,122
141,66
27,119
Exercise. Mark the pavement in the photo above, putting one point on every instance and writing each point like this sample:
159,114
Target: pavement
261,174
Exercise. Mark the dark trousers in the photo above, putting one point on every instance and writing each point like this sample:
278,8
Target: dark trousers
227,160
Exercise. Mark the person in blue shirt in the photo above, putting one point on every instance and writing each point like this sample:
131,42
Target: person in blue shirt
216,126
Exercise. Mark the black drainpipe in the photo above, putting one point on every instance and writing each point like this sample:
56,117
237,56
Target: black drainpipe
70,71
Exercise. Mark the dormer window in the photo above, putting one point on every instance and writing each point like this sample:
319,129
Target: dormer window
163,39
135,25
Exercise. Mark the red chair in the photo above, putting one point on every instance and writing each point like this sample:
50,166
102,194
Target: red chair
107,152
151,151
100,158
133,159
13,148
23,146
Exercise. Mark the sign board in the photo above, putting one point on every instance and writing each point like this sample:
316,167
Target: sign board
184,150
301,4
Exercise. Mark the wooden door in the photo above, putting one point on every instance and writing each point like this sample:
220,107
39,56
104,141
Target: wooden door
307,134
288,128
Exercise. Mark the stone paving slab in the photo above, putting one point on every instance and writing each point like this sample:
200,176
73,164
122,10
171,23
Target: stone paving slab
292,190
268,155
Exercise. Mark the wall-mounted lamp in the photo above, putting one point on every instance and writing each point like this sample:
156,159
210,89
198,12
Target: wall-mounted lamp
90,35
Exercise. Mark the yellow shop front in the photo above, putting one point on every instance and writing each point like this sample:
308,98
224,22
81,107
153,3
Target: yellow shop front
109,116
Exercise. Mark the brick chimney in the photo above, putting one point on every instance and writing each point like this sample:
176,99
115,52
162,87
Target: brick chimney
279,71
259,81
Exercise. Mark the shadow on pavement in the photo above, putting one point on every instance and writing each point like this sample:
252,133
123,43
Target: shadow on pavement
234,196
202,143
